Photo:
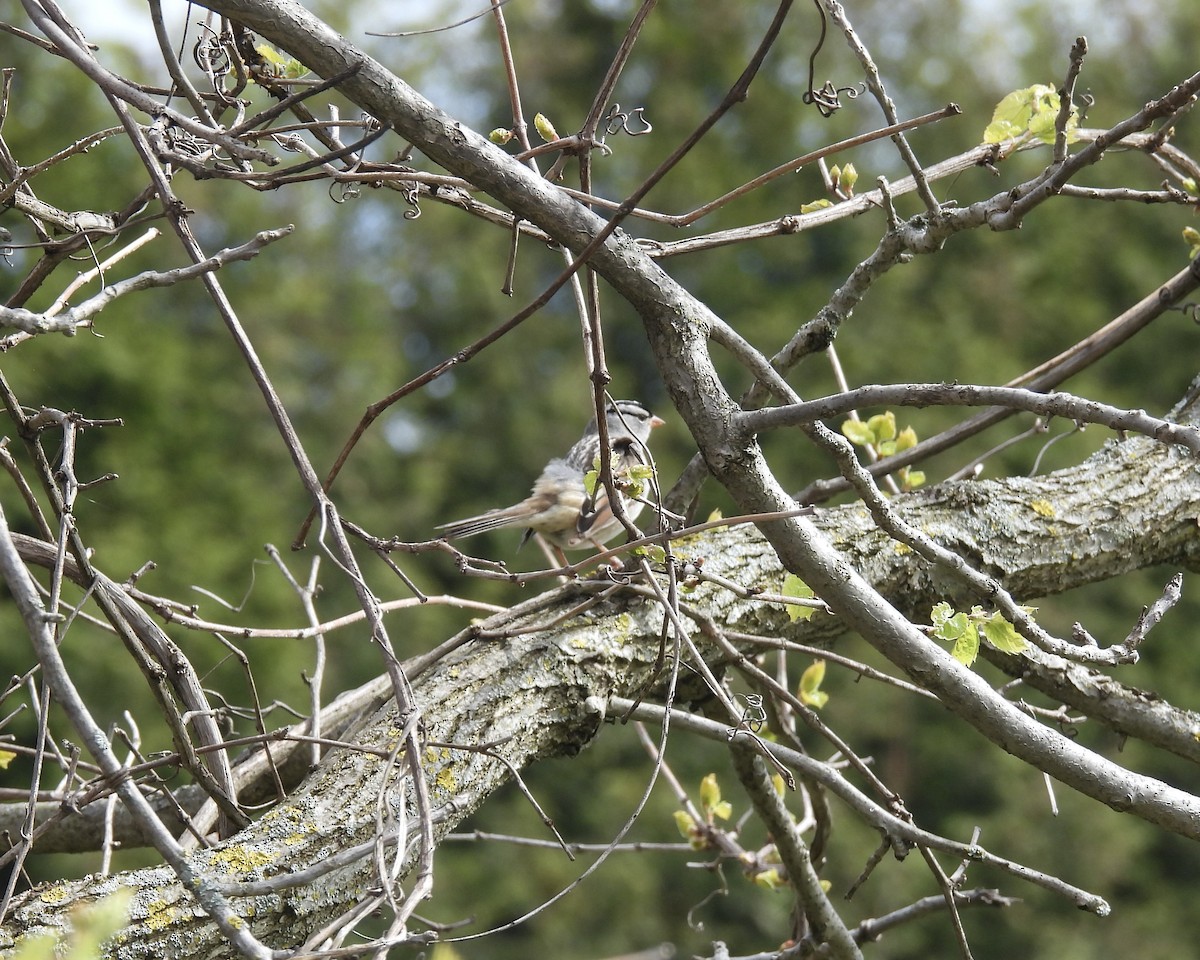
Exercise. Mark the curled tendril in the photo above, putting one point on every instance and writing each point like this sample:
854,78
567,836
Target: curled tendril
826,99
186,144
210,53
617,121
292,143
1087,101
341,191
412,193
754,717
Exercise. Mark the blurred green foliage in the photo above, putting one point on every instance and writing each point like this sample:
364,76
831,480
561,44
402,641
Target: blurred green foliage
360,299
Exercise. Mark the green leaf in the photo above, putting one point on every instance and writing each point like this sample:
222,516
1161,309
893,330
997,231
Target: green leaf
1029,112
957,628
906,439
590,479
686,824
857,432
770,879
1003,635
966,647
947,623
652,552
284,67
635,479
793,586
500,136
883,426
270,54
815,205
1191,237
811,694
710,792
1010,119
911,479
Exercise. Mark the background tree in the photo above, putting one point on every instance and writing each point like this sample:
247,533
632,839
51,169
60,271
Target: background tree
268,119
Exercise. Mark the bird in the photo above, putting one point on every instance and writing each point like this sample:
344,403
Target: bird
559,508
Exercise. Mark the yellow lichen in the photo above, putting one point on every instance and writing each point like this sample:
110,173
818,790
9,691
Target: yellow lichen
55,894
1043,508
241,859
160,914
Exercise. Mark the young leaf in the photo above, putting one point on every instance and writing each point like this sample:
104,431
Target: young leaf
911,479
770,879
652,552
883,426
287,68
1031,111
810,691
857,432
966,647
710,799
948,624
793,586
500,136
905,439
685,823
1191,237
1003,635
689,830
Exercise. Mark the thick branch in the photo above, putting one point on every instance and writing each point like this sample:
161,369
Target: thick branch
528,693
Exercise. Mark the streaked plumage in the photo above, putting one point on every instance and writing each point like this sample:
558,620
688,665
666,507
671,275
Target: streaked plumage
559,507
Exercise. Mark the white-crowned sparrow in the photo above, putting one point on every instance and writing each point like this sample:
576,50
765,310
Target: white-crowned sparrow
560,508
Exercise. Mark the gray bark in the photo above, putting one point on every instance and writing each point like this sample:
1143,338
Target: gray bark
533,694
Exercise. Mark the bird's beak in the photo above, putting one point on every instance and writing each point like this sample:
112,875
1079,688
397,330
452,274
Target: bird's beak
656,421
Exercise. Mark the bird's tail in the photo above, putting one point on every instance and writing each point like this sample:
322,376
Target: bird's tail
492,520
